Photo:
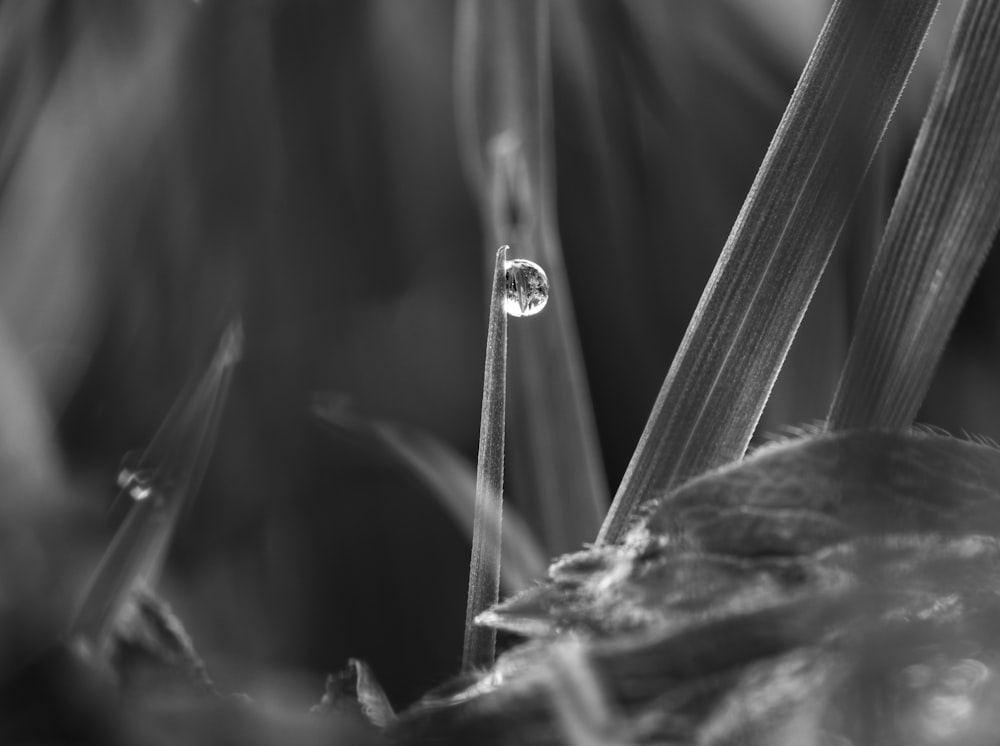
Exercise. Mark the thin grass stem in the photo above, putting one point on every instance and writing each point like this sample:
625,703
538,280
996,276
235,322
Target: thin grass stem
504,109
479,647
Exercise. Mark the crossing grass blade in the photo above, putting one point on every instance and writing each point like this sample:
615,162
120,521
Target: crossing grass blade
716,388
941,228
451,480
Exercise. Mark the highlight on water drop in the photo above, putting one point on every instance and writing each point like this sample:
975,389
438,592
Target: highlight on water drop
135,483
527,288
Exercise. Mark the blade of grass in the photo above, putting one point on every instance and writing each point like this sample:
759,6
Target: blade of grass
451,480
716,388
479,645
503,111
941,228
160,484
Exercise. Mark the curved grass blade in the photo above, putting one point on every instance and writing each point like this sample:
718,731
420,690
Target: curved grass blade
452,482
716,388
479,645
160,483
941,228
502,83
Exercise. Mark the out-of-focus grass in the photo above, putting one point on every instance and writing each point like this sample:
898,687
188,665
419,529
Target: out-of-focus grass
452,481
159,487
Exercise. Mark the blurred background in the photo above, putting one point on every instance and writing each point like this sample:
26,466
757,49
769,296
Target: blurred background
166,165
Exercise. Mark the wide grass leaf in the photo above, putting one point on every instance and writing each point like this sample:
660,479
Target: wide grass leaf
716,388
941,228
698,635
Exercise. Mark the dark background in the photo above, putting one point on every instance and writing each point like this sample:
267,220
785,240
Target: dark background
165,165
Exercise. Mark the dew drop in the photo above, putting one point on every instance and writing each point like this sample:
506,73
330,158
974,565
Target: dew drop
527,288
136,483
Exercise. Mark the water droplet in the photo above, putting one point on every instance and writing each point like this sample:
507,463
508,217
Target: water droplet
136,483
527,288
